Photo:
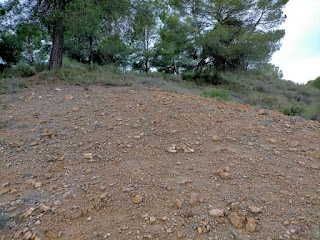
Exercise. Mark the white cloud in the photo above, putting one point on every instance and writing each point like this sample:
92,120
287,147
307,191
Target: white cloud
299,57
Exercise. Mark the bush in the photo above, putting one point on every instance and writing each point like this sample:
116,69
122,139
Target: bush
24,70
316,83
295,110
40,66
217,93
264,100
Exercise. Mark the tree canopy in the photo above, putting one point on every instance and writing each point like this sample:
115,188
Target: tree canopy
172,36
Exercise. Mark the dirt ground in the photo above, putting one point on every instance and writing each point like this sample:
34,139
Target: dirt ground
123,163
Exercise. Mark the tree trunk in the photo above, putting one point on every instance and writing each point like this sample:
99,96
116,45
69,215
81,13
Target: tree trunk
90,49
146,65
55,61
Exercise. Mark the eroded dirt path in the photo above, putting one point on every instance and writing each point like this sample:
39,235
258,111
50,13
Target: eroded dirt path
118,163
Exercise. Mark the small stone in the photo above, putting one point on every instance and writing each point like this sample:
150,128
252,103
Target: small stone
178,203
68,97
37,185
269,238
172,149
216,213
89,218
137,199
194,202
103,196
216,139
220,220
48,175
199,230
223,174
75,109
27,235
294,144
44,208
236,220
4,191
152,220
251,225
262,112
285,223
88,171
164,218
87,155
255,209
28,212
179,235
33,144
272,140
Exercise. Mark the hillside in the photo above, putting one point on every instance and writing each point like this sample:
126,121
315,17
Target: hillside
136,162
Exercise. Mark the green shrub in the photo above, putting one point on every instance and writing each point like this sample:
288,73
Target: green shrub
295,110
24,70
265,100
217,93
40,66
313,112
316,83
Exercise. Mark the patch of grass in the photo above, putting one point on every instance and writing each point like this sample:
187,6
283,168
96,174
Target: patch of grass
218,93
82,74
3,220
11,85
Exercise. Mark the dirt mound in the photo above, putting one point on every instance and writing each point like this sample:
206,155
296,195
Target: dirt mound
117,163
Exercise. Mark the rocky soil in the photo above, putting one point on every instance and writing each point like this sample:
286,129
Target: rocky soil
123,163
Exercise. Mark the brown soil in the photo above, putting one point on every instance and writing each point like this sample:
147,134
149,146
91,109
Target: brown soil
118,163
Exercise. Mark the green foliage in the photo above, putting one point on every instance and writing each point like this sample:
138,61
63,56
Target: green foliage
11,48
234,34
316,83
217,93
24,70
112,50
174,48
32,36
144,33
294,110
82,74
40,67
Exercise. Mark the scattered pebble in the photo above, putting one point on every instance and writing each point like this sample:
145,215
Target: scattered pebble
137,199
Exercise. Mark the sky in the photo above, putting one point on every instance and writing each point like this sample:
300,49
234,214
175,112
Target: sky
299,56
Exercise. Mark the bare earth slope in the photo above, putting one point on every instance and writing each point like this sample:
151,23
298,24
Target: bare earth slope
117,163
